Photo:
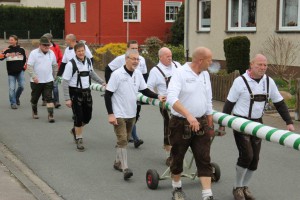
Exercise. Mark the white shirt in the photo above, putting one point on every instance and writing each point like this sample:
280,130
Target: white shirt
192,90
157,80
68,73
125,89
239,93
70,53
120,62
42,65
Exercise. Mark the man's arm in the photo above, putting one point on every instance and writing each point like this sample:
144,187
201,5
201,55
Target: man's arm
61,69
283,110
96,78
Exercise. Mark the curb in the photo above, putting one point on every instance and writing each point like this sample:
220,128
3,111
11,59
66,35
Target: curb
39,189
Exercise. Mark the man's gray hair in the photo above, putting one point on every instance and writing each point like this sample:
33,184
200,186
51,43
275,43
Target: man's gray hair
131,51
71,37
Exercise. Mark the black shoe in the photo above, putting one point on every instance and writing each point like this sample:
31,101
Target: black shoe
178,194
130,140
209,198
117,166
80,146
18,102
57,105
127,174
138,143
72,131
51,119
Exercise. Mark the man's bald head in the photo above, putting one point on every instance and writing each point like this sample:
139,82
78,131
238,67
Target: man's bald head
258,57
201,53
165,56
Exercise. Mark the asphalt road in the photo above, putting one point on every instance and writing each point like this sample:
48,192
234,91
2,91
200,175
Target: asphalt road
49,150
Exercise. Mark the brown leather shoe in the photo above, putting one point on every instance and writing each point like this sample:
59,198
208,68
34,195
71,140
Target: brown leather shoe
247,194
117,166
238,193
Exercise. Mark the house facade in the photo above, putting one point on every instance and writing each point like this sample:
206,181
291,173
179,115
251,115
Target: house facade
35,3
209,22
103,21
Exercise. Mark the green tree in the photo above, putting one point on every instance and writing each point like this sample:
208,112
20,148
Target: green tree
177,29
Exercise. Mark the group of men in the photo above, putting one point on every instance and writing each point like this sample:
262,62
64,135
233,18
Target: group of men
186,88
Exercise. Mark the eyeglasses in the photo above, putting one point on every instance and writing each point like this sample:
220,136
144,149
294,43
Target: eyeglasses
134,59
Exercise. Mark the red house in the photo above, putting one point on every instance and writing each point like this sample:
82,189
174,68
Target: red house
105,21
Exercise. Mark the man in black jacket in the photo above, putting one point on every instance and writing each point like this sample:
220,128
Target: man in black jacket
15,60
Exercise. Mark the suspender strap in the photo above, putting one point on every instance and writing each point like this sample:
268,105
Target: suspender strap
79,74
174,64
166,79
251,97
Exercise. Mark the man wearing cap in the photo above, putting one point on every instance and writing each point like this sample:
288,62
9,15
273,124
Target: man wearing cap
42,69
58,54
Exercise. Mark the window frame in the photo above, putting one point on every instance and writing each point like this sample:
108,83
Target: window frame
239,28
83,11
72,12
200,28
139,6
174,4
287,28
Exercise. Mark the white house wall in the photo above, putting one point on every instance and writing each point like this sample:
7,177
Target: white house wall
266,26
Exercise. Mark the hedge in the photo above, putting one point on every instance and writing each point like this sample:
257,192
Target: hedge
38,20
237,53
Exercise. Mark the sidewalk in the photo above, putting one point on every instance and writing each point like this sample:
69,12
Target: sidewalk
11,188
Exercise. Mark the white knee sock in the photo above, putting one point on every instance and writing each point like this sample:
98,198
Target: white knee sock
176,184
247,177
122,154
206,193
239,178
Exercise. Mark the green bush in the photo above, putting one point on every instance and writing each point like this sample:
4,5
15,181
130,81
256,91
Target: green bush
18,20
237,53
177,53
153,44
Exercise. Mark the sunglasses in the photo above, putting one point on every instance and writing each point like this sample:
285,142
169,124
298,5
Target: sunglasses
46,45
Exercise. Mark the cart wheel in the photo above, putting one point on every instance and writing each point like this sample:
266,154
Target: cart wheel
216,172
152,179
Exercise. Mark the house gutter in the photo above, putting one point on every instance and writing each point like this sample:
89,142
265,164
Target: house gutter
187,11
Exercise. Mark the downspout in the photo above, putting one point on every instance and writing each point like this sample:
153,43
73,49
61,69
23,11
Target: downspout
187,11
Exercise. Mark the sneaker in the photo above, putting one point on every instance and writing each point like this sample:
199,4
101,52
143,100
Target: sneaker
35,115
238,193
178,194
247,194
18,102
14,106
57,105
127,174
44,103
79,143
72,131
51,119
117,166
168,161
209,198
138,143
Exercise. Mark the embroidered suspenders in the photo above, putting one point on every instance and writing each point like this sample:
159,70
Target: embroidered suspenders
167,79
82,73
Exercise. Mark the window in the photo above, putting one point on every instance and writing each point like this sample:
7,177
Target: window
83,11
204,15
172,9
289,16
242,15
73,12
131,12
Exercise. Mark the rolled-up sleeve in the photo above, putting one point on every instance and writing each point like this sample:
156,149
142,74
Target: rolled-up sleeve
174,88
